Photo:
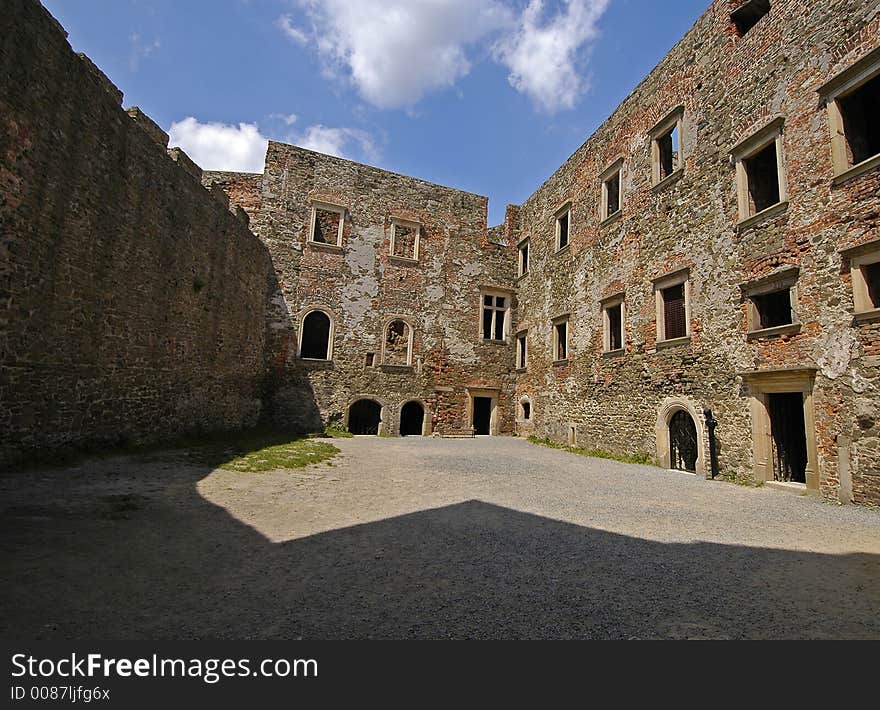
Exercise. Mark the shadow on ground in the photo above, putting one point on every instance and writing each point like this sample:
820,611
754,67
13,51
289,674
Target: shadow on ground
147,557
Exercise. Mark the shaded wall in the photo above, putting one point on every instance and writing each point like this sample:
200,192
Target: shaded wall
131,300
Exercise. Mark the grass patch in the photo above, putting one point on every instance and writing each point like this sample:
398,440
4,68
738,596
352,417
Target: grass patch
259,451
640,457
336,433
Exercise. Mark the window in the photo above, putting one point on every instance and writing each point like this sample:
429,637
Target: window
560,339
316,336
495,310
327,225
525,410
612,320
673,307
865,269
524,257
666,149
563,227
773,309
522,351
370,360
398,344
759,173
405,237
747,16
853,101
611,191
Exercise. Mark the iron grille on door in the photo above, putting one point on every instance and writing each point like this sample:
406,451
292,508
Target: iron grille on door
683,450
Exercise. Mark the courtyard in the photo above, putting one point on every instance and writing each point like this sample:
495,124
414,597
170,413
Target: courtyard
488,538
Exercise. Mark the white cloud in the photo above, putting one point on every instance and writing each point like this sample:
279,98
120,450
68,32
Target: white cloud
290,30
287,118
396,51
140,50
335,141
217,146
543,53
242,148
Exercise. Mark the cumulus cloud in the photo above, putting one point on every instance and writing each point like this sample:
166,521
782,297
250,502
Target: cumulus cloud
218,146
290,30
543,53
242,148
336,141
396,51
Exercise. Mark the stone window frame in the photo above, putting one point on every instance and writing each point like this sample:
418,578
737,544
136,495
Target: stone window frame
842,85
410,224
859,257
496,292
618,299
771,134
526,245
522,353
778,281
670,280
521,418
615,169
409,345
341,210
331,337
557,321
563,211
674,120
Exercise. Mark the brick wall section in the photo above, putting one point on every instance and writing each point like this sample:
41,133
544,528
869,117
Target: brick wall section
364,289
131,300
730,87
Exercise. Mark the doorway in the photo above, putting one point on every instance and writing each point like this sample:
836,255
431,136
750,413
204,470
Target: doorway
364,417
683,448
482,416
412,419
787,429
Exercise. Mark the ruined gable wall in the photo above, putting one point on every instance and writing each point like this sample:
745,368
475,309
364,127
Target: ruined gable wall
730,88
364,288
131,300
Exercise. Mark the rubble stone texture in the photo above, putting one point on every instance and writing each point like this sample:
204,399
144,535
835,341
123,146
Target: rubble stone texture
737,74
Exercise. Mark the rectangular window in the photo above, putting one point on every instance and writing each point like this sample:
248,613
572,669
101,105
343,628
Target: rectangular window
370,360
495,310
615,326
563,224
871,274
522,351
674,313
524,258
327,224
560,339
666,149
747,16
760,181
774,309
611,198
405,237
762,175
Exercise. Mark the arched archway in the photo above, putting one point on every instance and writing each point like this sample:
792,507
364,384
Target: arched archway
316,336
680,435
683,448
412,419
365,417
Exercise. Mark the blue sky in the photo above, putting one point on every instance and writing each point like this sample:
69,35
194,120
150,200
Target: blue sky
489,96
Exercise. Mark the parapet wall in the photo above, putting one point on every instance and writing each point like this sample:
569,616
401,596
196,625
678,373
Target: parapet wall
131,300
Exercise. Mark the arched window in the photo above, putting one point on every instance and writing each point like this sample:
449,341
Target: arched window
398,344
525,409
315,337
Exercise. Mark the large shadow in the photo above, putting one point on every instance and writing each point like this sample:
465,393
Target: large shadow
145,556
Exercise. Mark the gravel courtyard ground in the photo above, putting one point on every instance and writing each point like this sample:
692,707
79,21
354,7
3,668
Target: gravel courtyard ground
426,538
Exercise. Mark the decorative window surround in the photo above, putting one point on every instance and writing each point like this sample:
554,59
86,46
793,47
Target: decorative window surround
667,160
612,192
613,343
563,227
681,277
743,154
864,260
416,229
779,281
333,209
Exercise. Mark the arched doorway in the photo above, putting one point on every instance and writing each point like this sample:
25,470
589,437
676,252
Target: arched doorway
364,417
412,419
683,446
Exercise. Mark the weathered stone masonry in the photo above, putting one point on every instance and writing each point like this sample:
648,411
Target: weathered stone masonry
131,299
730,279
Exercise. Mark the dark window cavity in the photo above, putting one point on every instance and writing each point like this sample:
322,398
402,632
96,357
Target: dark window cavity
315,336
762,171
774,309
861,120
747,16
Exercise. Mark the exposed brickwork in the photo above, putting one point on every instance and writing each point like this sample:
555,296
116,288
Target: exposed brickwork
127,291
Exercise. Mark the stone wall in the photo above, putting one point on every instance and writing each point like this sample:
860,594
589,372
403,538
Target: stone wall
131,299
363,287
729,87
